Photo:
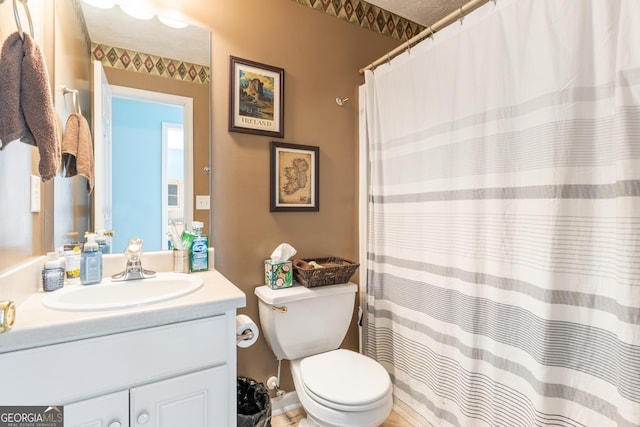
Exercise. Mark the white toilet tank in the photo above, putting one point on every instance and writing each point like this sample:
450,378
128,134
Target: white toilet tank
299,322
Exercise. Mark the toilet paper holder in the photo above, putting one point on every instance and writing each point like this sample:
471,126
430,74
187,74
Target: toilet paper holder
246,335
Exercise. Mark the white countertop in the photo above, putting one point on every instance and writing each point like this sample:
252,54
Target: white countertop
36,325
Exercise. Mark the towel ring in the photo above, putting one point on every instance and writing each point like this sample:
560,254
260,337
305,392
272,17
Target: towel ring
17,16
76,104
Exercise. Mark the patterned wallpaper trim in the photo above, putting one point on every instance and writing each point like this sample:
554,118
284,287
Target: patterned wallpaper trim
366,15
139,62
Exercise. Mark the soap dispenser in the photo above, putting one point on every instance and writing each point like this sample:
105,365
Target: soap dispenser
52,273
103,244
91,268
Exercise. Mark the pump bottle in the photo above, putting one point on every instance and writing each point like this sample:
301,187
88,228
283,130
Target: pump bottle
91,266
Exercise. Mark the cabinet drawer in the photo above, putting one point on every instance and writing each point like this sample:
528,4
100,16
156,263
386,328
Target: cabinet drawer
67,372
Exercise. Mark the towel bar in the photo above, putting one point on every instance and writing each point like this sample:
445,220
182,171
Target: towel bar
17,16
76,102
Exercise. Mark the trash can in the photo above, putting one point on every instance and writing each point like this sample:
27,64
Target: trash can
254,404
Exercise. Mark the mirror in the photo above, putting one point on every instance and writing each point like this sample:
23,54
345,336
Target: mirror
158,77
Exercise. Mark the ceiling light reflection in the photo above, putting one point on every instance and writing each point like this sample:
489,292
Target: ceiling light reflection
173,23
102,4
136,12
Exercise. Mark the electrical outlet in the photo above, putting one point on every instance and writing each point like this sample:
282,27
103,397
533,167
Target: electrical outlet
202,203
35,193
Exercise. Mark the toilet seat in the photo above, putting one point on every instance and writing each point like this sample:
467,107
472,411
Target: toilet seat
363,383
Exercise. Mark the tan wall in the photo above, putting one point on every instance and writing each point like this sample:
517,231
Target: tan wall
321,56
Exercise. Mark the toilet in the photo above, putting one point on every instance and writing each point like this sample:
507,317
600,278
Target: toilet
337,387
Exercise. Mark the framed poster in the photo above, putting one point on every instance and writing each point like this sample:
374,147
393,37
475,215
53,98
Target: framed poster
294,177
256,98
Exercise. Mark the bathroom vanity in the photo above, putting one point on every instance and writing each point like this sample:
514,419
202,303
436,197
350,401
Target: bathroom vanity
170,363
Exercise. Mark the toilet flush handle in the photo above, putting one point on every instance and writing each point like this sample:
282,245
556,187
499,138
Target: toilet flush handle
282,309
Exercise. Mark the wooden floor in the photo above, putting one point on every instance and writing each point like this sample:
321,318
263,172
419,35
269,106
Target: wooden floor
293,417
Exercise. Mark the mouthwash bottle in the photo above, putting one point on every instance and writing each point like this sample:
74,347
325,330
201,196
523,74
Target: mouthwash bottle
91,264
199,248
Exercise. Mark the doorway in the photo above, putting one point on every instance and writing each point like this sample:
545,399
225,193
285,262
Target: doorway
152,178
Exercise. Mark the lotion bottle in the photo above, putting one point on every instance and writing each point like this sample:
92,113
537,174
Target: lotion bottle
91,268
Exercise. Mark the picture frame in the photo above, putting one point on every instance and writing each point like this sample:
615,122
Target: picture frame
256,98
295,177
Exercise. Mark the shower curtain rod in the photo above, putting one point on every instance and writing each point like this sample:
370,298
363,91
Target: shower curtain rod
432,29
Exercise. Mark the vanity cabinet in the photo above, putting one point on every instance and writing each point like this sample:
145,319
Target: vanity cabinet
176,375
111,410
194,400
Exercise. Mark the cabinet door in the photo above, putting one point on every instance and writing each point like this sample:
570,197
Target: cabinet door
194,400
111,410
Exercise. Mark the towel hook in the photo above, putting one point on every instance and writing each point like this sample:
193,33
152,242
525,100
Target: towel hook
76,104
17,16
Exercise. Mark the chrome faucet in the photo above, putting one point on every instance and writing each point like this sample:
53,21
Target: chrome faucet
134,270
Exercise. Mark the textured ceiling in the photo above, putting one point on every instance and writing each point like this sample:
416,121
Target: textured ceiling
423,12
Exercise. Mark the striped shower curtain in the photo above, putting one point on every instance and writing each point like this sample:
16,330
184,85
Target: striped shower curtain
503,254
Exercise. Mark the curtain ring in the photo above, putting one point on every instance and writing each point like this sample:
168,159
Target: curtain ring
17,17
388,59
461,15
408,47
431,33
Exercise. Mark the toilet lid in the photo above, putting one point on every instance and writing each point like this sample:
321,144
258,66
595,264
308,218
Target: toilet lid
343,378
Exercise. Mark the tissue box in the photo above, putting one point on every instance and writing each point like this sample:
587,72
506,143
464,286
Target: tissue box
278,275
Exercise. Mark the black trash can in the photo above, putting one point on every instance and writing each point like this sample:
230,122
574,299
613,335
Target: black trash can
254,404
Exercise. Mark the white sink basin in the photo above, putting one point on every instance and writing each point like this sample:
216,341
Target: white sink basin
110,295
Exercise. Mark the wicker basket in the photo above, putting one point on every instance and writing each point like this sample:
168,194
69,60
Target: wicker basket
310,278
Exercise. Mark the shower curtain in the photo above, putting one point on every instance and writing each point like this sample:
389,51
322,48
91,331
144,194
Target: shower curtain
503,254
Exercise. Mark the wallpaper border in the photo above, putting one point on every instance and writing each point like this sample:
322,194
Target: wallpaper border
140,62
368,16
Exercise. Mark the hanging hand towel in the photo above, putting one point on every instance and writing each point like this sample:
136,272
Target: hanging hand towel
77,149
26,108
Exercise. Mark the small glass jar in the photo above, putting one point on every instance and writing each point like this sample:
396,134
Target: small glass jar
52,273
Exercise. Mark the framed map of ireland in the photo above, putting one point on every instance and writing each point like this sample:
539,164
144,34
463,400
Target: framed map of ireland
294,177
